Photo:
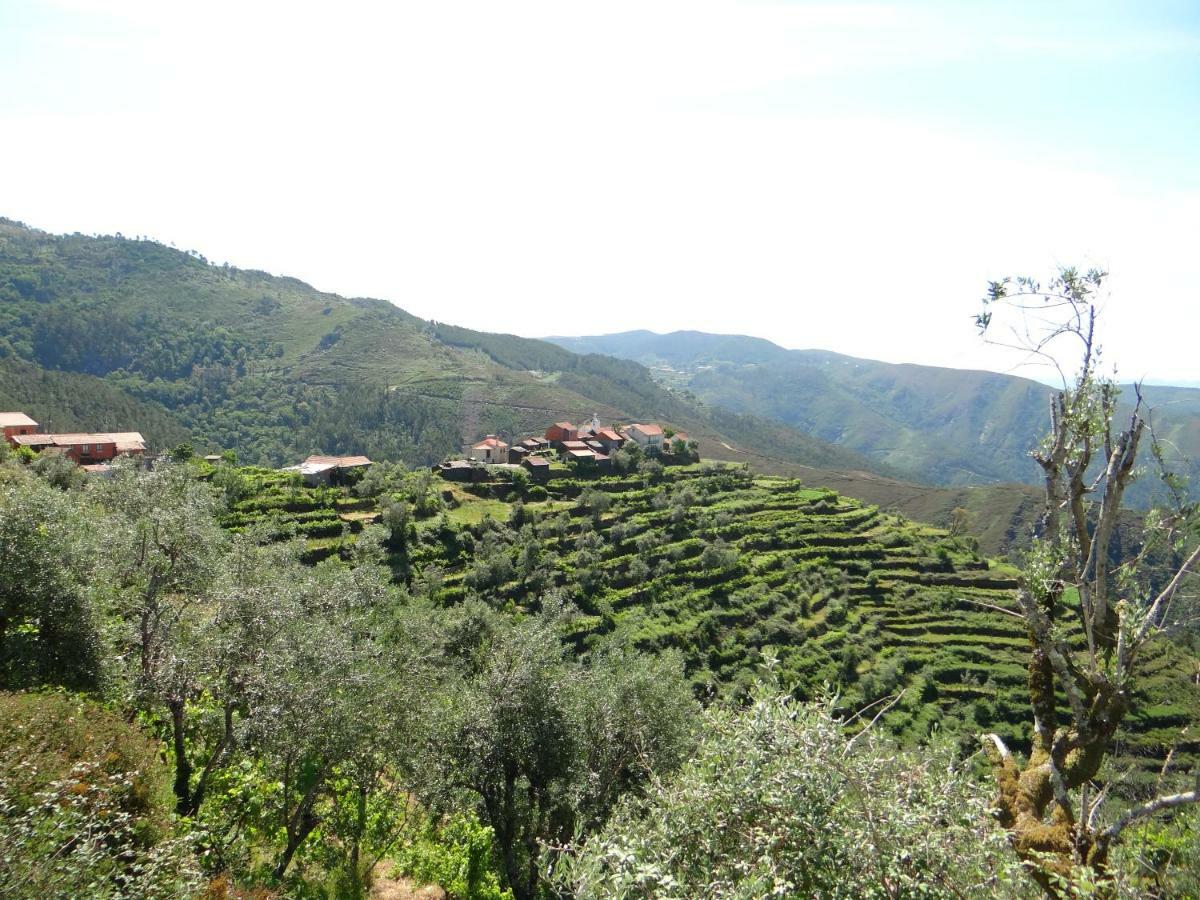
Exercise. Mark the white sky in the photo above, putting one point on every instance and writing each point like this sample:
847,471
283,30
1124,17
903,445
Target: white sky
845,176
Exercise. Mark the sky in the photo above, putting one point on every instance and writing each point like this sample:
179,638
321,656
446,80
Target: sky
844,176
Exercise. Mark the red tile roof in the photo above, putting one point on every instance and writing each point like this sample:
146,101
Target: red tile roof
15,420
608,434
490,441
648,429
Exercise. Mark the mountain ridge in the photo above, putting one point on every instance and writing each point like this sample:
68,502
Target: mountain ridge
939,425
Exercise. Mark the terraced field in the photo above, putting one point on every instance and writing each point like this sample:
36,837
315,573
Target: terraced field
728,570
280,506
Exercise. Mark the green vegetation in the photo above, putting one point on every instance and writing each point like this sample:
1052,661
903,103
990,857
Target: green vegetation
269,638
104,331
934,425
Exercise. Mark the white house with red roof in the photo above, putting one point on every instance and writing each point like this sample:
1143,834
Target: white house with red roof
491,450
648,437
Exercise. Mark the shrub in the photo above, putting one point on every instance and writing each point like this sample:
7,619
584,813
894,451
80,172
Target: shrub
778,802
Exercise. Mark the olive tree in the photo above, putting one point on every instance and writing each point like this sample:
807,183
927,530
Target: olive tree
544,745
1051,803
778,801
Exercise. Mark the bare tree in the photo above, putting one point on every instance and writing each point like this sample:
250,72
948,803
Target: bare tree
1051,803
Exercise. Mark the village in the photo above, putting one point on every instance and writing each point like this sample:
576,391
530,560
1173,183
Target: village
587,448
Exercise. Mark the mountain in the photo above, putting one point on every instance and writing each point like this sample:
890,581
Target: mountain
106,332
937,425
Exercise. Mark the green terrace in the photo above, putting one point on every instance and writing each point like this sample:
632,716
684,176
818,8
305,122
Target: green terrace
729,569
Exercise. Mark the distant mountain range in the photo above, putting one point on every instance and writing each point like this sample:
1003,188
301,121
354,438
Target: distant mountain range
107,332
937,425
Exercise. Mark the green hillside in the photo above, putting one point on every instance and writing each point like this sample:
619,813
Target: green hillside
273,368
727,567
936,425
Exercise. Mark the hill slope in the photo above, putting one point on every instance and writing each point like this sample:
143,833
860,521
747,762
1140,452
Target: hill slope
943,426
275,368
725,567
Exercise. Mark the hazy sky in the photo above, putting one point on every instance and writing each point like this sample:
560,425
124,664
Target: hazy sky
844,175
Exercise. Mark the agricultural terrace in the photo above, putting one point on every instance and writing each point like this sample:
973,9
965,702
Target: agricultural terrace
727,569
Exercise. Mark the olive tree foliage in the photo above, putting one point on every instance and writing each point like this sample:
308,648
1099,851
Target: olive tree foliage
163,547
543,745
778,801
1052,803
51,630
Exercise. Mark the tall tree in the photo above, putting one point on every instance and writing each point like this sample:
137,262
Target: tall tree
1052,802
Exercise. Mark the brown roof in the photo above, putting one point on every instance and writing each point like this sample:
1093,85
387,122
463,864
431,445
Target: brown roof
574,445
125,441
14,419
608,434
566,425
581,454
536,461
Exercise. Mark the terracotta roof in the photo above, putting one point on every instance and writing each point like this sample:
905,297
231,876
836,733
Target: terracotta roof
13,419
574,445
648,429
566,425
608,434
490,441
581,454
335,462
34,440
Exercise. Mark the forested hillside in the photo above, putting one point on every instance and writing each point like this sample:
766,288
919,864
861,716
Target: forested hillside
275,369
935,425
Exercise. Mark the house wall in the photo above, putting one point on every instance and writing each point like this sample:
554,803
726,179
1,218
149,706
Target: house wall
11,431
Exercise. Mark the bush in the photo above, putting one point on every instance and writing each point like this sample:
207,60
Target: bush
458,857
778,802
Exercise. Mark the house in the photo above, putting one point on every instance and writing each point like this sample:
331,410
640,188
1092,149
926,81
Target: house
14,423
603,462
561,431
330,469
585,456
517,454
648,437
456,470
594,445
538,468
490,451
565,448
535,444
609,439
462,470
86,448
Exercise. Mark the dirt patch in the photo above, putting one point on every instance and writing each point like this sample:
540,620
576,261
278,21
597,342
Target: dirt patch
392,886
